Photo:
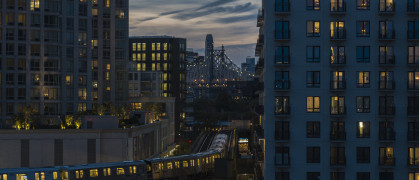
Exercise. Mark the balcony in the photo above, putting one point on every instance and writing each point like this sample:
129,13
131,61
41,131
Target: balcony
338,35
386,60
389,36
387,160
337,8
412,8
337,60
282,85
386,85
387,135
282,111
412,60
386,110
281,60
337,85
338,161
338,135
386,9
260,19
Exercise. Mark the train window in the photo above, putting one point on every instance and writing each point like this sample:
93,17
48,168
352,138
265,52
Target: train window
104,172
94,173
120,171
130,169
169,165
64,175
4,176
36,176
81,173
134,169
198,162
109,171
148,168
21,177
192,163
185,163
77,174
54,175
176,164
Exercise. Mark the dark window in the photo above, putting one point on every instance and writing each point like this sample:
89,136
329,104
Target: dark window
386,30
363,154
413,105
337,130
313,5
413,6
313,79
58,152
282,55
282,155
282,5
282,130
413,131
282,80
362,104
91,151
386,55
362,28
313,54
362,176
363,129
337,176
282,30
386,176
386,130
313,154
413,30
313,129
337,156
313,175
282,176
386,105
363,54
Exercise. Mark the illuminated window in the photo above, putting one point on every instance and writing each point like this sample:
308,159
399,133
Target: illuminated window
158,56
130,169
185,163
362,28
134,57
153,66
313,5
164,86
413,176
4,176
104,172
386,6
136,106
94,12
143,55
94,173
153,46
192,162
337,105
313,28
165,56
198,162
77,174
144,46
21,177
108,66
107,75
164,66
134,168
158,46
169,165
337,30
165,46
34,5
158,66
363,80
363,130
143,66
54,175
107,3
363,4
21,19
82,94
386,156
313,104
413,80
282,105
68,80
153,56
82,107
176,164
120,171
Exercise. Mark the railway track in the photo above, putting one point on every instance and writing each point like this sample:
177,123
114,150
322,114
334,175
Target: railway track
207,141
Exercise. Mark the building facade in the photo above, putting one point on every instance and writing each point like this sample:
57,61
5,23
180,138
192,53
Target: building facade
53,53
341,89
166,55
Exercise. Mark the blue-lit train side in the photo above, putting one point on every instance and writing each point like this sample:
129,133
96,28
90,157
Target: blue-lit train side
157,168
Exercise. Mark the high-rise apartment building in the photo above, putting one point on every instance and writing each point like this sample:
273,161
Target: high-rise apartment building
167,56
59,56
341,89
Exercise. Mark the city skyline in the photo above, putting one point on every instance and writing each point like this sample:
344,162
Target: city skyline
232,22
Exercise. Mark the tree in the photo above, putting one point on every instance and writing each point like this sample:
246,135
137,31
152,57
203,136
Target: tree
26,118
156,108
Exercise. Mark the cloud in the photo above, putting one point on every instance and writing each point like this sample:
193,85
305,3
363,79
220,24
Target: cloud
214,10
216,3
234,19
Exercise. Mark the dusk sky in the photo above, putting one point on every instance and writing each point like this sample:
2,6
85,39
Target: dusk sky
232,22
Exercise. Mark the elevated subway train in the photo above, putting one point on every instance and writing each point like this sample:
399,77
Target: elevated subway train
157,168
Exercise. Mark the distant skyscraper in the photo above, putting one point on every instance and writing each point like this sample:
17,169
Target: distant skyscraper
250,60
209,55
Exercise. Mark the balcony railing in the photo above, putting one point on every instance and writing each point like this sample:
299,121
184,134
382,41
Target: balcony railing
282,35
412,85
282,84
387,160
338,60
412,161
387,110
412,60
285,110
337,135
337,8
387,36
386,85
386,8
413,35
386,59
338,111
282,135
338,85
339,34
282,60
388,134
338,161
